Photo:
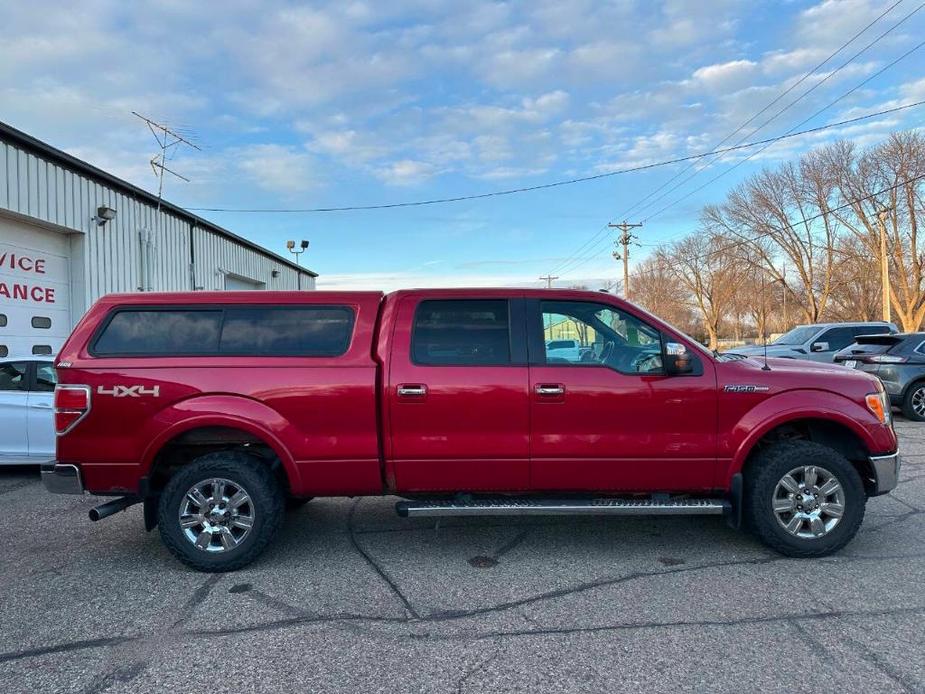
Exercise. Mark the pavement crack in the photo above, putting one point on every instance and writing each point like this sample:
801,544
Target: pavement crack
120,675
383,574
591,585
480,665
66,647
197,598
507,547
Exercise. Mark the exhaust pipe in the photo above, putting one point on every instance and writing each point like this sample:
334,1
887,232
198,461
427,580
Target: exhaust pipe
110,507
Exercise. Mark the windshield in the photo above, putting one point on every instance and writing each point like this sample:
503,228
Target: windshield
797,336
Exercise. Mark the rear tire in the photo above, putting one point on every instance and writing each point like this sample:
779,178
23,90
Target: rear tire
914,403
803,499
220,512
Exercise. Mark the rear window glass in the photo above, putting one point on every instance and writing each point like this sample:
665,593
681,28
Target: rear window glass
316,331
181,332
313,331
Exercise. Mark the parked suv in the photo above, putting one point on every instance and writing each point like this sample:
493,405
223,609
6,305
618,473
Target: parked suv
215,410
898,360
816,342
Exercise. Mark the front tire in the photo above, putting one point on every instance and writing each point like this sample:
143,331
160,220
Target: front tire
914,403
220,512
803,499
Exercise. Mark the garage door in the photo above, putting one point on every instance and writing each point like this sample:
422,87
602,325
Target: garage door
34,289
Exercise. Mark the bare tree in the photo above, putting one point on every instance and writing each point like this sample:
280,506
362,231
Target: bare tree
709,273
656,289
785,218
888,180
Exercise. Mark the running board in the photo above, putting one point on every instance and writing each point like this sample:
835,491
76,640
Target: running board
568,507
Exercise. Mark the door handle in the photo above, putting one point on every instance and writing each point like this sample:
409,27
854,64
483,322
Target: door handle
412,390
41,406
550,389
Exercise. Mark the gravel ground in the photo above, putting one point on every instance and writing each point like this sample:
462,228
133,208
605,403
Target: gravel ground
351,598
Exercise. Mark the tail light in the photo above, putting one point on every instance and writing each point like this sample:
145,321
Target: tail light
884,359
72,403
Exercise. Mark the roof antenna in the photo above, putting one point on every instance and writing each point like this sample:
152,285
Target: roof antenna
764,320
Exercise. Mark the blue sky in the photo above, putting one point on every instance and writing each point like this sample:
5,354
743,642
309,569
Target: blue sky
342,103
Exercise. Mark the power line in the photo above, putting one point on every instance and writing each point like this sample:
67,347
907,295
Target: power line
791,133
576,262
635,206
556,184
803,122
802,96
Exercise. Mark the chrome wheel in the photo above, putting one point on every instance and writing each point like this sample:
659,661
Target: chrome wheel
918,401
216,515
809,502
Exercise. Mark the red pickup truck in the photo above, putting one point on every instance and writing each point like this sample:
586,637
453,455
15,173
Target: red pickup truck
217,410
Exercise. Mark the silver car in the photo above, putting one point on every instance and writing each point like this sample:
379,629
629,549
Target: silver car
816,342
27,428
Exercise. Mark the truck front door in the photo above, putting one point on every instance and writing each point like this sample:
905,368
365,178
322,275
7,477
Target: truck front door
457,395
612,420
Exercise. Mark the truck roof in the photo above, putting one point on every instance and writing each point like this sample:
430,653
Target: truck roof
318,296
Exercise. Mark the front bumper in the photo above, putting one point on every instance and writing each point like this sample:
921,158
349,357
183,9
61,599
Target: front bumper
886,472
62,478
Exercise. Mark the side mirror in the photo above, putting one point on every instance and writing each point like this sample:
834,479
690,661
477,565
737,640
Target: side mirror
819,347
677,359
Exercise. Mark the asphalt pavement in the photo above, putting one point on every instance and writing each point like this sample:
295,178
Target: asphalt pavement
351,598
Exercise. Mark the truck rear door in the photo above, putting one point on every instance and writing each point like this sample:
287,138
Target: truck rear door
457,393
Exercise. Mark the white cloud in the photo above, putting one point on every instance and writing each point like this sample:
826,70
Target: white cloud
725,77
278,168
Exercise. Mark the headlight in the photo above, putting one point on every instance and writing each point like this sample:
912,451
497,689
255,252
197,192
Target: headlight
879,404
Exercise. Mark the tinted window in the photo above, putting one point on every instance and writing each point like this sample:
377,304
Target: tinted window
41,350
180,332
252,331
2,320
45,377
41,322
839,338
13,375
319,331
4,351
462,332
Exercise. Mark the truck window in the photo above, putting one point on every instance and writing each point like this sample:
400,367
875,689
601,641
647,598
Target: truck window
600,335
318,331
462,332
299,331
171,332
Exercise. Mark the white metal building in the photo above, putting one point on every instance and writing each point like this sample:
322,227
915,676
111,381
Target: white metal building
58,253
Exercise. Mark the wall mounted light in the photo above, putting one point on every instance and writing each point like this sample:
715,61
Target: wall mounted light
104,214
274,273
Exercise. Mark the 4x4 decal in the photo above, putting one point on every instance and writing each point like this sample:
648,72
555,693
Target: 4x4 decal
129,391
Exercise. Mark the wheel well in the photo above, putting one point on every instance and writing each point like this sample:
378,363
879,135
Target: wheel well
912,384
823,431
194,443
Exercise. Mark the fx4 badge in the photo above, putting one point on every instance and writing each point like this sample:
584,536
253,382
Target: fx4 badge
745,389
129,391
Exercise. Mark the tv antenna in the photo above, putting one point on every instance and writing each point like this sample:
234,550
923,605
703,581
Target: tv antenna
167,140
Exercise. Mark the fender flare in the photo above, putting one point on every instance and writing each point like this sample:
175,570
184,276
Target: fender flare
255,418
770,414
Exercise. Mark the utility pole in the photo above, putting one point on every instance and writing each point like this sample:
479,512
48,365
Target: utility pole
626,238
548,280
884,265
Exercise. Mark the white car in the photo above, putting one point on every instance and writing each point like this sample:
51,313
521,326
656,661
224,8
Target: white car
568,350
27,428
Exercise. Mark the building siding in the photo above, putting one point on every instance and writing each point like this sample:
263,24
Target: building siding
111,258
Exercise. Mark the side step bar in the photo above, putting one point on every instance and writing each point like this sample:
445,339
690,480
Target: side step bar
567,507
